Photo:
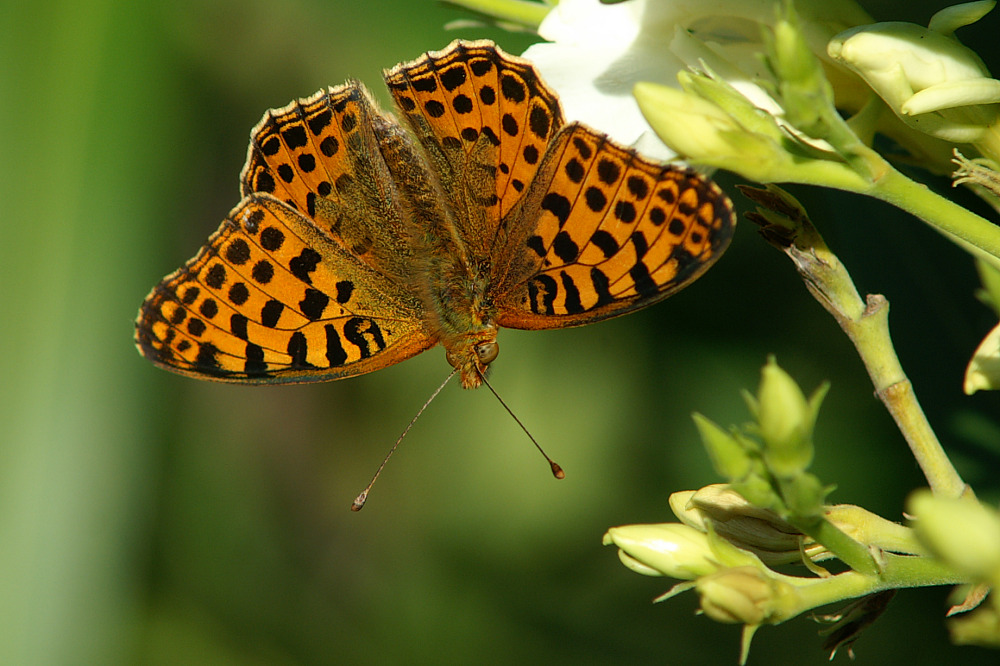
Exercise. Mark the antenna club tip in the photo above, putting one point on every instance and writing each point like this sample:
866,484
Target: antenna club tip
557,471
359,502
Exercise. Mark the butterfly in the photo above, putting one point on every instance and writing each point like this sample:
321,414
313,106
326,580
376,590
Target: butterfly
362,240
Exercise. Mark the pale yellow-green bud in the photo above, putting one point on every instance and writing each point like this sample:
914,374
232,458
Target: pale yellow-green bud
980,627
680,503
961,531
703,132
746,595
675,550
983,371
930,80
748,527
667,549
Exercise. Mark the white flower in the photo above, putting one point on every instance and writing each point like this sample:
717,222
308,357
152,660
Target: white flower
599,52
597,55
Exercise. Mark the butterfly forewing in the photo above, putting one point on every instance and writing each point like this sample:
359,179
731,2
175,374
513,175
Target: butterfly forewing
484,119
322,156
604,231
298,152
269,299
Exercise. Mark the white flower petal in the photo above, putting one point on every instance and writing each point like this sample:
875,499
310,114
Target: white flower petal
598,91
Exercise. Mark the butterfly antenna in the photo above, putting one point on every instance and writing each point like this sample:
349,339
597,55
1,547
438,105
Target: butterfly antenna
359,501
557,471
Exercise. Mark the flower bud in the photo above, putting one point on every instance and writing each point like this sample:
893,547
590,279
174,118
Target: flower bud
729,458
748,527
786,421
682,506
703,132
983,371
746,595
930,80
675,550
961,531
668,549
980,627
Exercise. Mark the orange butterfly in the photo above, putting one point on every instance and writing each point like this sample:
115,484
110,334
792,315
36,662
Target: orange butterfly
359,243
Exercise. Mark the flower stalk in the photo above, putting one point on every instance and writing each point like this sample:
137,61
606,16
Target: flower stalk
786,225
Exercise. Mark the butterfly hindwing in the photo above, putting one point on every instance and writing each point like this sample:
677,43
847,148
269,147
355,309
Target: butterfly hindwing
605,231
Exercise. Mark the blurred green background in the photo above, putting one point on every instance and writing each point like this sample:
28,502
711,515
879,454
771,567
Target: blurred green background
148,518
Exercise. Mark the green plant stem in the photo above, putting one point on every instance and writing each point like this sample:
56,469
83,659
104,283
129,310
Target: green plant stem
870,335
972,232
897,571
867,326
850,552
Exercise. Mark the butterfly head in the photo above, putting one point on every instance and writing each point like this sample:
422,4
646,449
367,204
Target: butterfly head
472,359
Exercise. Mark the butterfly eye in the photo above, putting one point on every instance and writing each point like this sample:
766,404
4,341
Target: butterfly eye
487,352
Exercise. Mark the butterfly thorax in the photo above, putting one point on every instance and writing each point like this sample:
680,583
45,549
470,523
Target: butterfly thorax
462,316
454,286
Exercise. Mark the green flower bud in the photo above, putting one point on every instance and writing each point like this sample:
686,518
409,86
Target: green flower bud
729,458
675,550
961,531
759,491
747,595
703,132
804,495
805,93
786,421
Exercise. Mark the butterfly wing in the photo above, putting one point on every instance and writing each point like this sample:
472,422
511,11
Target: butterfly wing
271,299
484,120
306,280
326,157
574,227
603,232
